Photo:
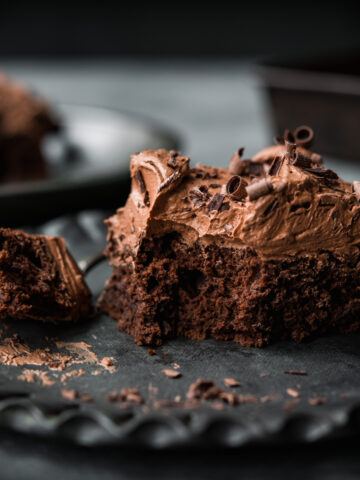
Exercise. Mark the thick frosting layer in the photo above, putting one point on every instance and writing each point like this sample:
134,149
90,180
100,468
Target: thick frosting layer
291,206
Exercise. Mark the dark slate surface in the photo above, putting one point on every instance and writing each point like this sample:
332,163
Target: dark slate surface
332,364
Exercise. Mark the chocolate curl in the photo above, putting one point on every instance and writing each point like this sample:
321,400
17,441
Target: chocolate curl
278,140
236,188
316,158
289,137
302,161
172,163
356,189
323,173
216,202
237,165
304,136
290,151
259,189
276,165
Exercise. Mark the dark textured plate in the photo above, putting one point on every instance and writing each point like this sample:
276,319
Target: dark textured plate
332,365
88,163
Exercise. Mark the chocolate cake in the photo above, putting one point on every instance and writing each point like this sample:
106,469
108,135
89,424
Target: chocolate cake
265,250
39,279
24,121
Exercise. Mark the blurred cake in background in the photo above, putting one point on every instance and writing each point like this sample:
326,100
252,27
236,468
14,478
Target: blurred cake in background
24,122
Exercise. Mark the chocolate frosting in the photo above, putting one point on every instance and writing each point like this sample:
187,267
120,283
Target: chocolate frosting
293,211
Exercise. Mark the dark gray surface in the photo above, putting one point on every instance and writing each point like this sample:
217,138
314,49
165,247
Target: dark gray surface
332,365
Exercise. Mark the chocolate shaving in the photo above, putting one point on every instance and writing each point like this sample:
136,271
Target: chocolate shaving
304,136
237,165
323,173
231,382
276,165
171,373
172,159
127,395
289,136
147,199
256,169
203,390
214,185
140,179
356,189
216,202
290,151
259,189
235,188
295,372
270,208
69,394
225,206
173,177
292,392
316,158
317,400
279,140
302,161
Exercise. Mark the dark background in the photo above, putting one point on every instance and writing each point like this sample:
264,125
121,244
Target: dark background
241,29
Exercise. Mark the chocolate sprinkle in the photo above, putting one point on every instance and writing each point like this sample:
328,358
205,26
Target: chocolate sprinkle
259,189
140,179
216,202
276,165
235,188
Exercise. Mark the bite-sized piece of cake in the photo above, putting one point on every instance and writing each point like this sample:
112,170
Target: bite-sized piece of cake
24,121
40,280
263,251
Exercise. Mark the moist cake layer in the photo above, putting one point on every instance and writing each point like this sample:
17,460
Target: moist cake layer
284,230
39,279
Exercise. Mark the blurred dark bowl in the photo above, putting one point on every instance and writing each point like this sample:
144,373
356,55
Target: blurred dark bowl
323,93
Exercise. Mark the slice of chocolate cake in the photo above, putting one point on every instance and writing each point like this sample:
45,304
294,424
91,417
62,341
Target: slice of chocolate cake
265,250
39,279
24,121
